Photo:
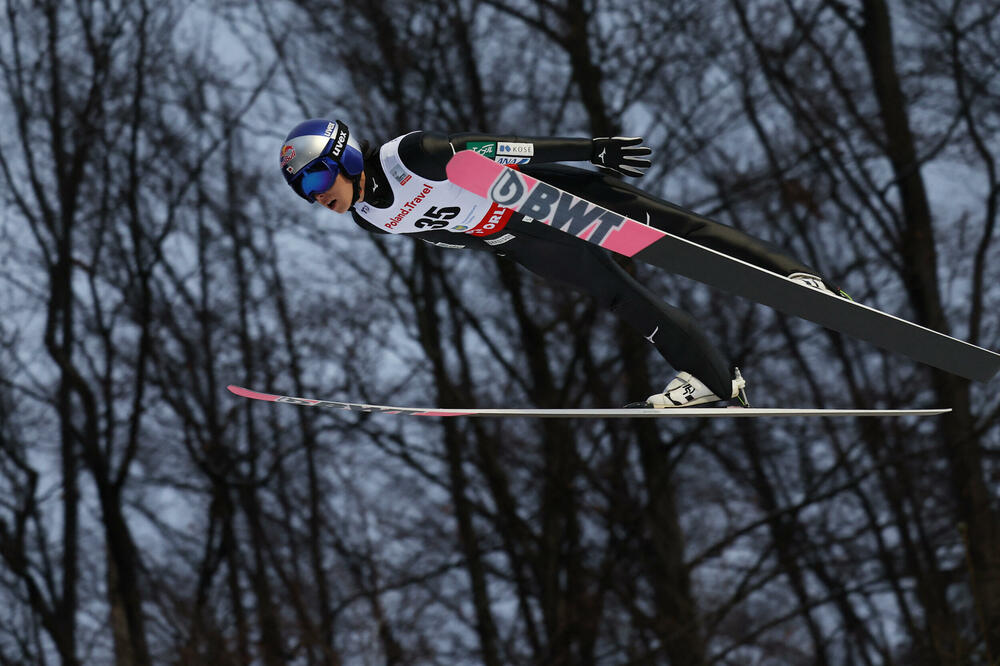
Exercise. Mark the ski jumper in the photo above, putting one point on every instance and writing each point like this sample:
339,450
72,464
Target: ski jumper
406,191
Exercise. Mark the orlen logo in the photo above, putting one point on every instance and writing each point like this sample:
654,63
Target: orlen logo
496,219
287,154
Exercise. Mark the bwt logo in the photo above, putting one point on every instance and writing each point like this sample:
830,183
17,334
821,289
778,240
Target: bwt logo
507,189
554,207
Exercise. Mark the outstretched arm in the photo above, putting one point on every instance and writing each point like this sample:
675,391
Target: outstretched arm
625,156
427,153
523,149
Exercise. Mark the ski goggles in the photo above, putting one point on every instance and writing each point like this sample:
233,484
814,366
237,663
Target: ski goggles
315,178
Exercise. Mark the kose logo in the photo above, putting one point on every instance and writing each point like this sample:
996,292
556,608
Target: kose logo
519,149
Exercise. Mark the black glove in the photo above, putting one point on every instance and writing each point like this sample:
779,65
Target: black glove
620,154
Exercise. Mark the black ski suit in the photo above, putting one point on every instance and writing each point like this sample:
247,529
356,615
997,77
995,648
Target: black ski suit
583,266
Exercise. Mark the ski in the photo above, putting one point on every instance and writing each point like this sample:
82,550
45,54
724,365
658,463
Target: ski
688,412
550,205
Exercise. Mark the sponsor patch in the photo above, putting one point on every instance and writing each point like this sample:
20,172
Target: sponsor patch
397,171
500,241
408,207
554,207
496,218
401,176
338,145
515,149
484,148
513,160
287,154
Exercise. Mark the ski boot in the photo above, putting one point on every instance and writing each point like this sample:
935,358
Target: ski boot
685,390
817,283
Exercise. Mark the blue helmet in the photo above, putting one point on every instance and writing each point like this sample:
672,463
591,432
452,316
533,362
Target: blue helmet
314,152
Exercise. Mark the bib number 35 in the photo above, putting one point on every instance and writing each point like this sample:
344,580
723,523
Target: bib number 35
436,218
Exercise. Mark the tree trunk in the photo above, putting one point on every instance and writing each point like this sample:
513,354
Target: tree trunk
964,451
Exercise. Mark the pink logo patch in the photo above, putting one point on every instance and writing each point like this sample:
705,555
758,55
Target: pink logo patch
287,154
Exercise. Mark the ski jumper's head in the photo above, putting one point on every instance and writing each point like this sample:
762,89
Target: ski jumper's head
316,155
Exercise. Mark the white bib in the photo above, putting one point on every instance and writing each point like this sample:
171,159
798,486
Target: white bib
420,204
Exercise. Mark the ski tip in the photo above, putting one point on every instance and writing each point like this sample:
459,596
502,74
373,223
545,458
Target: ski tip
247,393
461,170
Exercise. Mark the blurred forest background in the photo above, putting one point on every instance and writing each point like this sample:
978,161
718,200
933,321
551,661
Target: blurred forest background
150,254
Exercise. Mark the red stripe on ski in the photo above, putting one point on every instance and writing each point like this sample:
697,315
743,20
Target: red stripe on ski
347,406
247,393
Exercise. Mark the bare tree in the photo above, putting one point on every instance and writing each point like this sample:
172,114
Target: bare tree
152,255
